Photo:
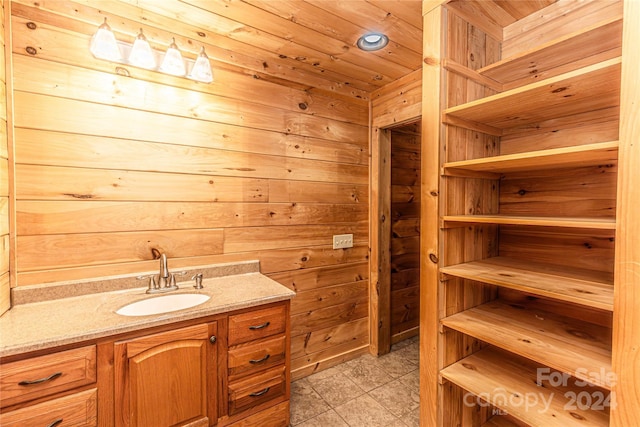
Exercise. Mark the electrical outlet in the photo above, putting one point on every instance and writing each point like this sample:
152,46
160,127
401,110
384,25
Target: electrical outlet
342,241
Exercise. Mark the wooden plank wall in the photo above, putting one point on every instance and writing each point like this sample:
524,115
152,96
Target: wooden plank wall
4,180
114,164
405,231
398,102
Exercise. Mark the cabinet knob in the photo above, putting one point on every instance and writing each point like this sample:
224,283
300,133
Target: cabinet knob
213,339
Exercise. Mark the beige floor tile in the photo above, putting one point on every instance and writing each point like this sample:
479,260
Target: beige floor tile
326,419
306,403
366,412
365,392
412,419
410,352
336,390
403,343
396,364
397,398
412,379
366,373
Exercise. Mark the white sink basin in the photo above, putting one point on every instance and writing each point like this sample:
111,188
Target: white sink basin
162,304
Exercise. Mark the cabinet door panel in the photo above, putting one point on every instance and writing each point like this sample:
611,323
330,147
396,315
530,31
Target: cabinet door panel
167,379
169,384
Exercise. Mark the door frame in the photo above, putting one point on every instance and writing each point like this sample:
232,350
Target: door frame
380,236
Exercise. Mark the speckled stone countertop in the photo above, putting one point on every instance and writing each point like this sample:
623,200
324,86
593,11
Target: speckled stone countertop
46,324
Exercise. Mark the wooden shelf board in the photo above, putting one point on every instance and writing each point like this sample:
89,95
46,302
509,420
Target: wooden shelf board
574,347
573,47
589,88
575,156
586,287
508,382
586,223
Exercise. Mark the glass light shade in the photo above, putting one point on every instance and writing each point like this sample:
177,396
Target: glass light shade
201,70
141,54
173,62
104,44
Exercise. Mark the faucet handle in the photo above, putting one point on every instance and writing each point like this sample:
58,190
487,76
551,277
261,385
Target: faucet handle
152,281
172,282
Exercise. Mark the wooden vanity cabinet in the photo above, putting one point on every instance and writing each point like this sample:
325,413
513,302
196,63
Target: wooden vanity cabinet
226,370
168,378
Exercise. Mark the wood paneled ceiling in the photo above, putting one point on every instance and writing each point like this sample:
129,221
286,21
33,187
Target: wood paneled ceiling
308,43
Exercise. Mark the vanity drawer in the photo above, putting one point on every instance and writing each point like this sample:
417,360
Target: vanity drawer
256,356
255,390
79,409
40,376
275,416
257,324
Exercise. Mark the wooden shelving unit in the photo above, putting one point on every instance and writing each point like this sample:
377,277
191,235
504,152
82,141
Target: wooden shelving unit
599,39
509,383
520,210
579,286
576,156
539,221
594,87
560,342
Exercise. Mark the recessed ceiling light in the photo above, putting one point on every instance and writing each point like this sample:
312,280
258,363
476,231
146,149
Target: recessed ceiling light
372,41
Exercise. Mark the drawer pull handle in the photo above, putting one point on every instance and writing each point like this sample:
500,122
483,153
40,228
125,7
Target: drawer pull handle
264,325
55,423
41,380
260,393
254,361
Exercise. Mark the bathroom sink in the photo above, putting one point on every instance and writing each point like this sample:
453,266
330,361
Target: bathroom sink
162,304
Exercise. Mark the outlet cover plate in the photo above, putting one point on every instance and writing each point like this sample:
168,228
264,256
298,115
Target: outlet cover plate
341,241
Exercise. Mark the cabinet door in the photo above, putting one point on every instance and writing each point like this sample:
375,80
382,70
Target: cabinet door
167,379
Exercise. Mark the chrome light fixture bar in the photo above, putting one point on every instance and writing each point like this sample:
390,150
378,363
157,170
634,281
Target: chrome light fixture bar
140,54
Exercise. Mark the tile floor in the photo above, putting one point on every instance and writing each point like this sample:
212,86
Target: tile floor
365,392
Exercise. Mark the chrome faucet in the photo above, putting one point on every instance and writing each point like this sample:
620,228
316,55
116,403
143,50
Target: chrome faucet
165,281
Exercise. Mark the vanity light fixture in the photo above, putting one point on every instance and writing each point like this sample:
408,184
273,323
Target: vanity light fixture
173,62
104,44
201,70
372,41
140,54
